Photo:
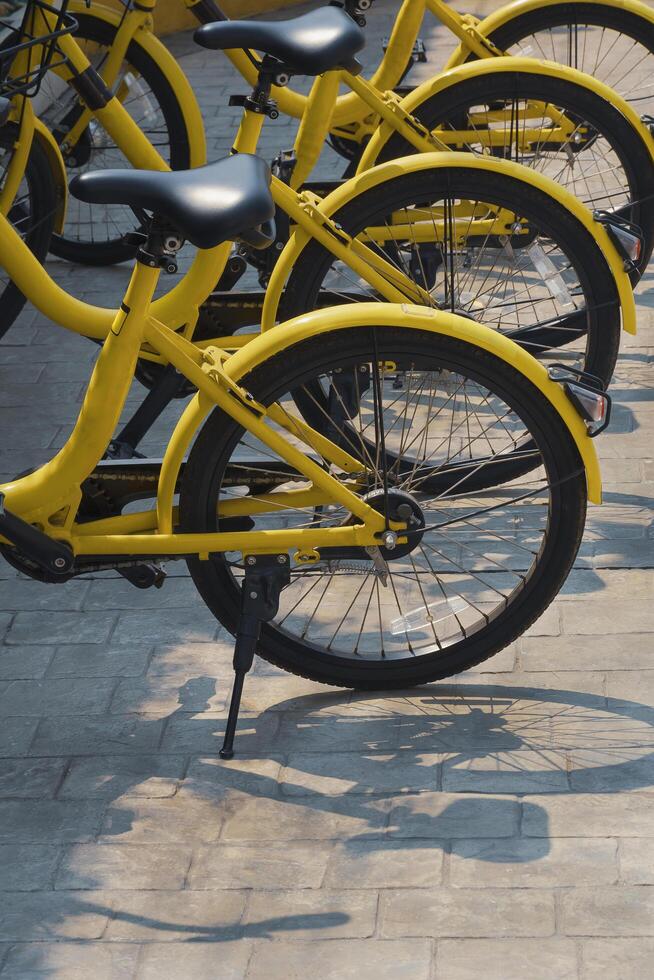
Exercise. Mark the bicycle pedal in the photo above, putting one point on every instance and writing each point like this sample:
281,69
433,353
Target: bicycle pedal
144,576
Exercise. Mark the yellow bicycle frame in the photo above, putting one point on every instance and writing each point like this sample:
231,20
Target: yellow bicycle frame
50,496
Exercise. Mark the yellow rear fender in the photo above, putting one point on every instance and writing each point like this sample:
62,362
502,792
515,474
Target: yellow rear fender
510,11
429,161
175,77
267,345
454,76
58,168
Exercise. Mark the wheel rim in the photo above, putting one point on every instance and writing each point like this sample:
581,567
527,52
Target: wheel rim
548,137
463,574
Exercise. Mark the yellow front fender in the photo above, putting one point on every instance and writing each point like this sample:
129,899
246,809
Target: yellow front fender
177,80
58,169
510,11
429,161
269,344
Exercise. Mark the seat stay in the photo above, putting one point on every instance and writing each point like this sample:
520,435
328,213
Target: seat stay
214,389
380,274
463,26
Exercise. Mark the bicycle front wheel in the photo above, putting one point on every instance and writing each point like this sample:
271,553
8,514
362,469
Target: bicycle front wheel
479,567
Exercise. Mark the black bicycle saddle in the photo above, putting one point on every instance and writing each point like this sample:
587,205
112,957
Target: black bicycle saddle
311,44
209,205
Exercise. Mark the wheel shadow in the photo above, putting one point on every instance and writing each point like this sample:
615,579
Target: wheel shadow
433,767
480,748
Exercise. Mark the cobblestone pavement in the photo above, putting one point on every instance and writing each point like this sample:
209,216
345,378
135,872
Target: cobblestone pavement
497,825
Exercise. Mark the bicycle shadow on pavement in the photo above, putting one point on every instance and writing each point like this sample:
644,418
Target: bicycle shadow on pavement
439,763
457,766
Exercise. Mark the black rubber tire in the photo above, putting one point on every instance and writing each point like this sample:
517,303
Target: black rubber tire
112,251
42,206
219,435
624,140
581,14
311,266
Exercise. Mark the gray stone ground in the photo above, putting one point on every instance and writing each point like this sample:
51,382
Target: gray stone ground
498,825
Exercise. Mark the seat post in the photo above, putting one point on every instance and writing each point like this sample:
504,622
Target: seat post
258,105
158,248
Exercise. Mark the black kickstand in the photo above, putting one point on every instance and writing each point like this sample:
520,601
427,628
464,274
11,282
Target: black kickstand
265,577
157,399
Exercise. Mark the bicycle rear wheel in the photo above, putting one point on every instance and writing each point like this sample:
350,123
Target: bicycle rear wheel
542,280
613,44
479,567
594,152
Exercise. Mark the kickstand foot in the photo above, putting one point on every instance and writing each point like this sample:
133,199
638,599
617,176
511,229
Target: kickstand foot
265,577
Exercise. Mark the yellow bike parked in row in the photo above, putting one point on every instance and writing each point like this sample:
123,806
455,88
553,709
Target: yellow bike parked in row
551,118
387,544
371,495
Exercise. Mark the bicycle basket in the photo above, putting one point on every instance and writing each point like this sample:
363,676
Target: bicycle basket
32,38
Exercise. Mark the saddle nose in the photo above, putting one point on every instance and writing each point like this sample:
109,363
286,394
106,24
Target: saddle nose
220,202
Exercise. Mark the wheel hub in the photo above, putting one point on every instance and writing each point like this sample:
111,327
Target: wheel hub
402,506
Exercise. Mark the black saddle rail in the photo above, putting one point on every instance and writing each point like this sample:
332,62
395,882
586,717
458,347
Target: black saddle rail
30,36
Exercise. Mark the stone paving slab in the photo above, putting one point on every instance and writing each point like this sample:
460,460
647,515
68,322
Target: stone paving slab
497,825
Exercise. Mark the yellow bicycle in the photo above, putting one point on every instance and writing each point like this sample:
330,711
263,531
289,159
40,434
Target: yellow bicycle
613,40
450,231
391,544
550,118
